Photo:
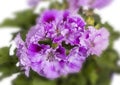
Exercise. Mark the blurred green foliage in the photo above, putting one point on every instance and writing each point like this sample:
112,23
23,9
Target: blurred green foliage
7,63
95,71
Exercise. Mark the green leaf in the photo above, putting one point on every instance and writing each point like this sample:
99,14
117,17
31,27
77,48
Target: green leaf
7,63
38,81
22,80
90,71
23,19
93,76
57,5
105,76
73,79
33,79
114,35
108,59
5,57
8,69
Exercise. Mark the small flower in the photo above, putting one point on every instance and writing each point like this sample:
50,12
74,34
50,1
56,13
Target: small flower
33,3
98,4
97,41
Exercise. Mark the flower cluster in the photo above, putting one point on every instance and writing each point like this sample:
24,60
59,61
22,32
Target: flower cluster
59,44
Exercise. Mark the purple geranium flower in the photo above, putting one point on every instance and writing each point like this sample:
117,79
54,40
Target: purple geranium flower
59,44
46,45
76,58
97,40
40,58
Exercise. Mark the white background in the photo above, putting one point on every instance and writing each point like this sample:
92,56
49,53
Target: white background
8,7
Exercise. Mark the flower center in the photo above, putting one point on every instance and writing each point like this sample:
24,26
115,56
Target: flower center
92,44
50,56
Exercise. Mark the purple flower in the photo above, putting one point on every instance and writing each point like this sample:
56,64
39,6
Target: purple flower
76,4
59,44
40,58
44,50
97,40
22,54
50,16
33,3
47,64
98,3
76,58
62,26
35,34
